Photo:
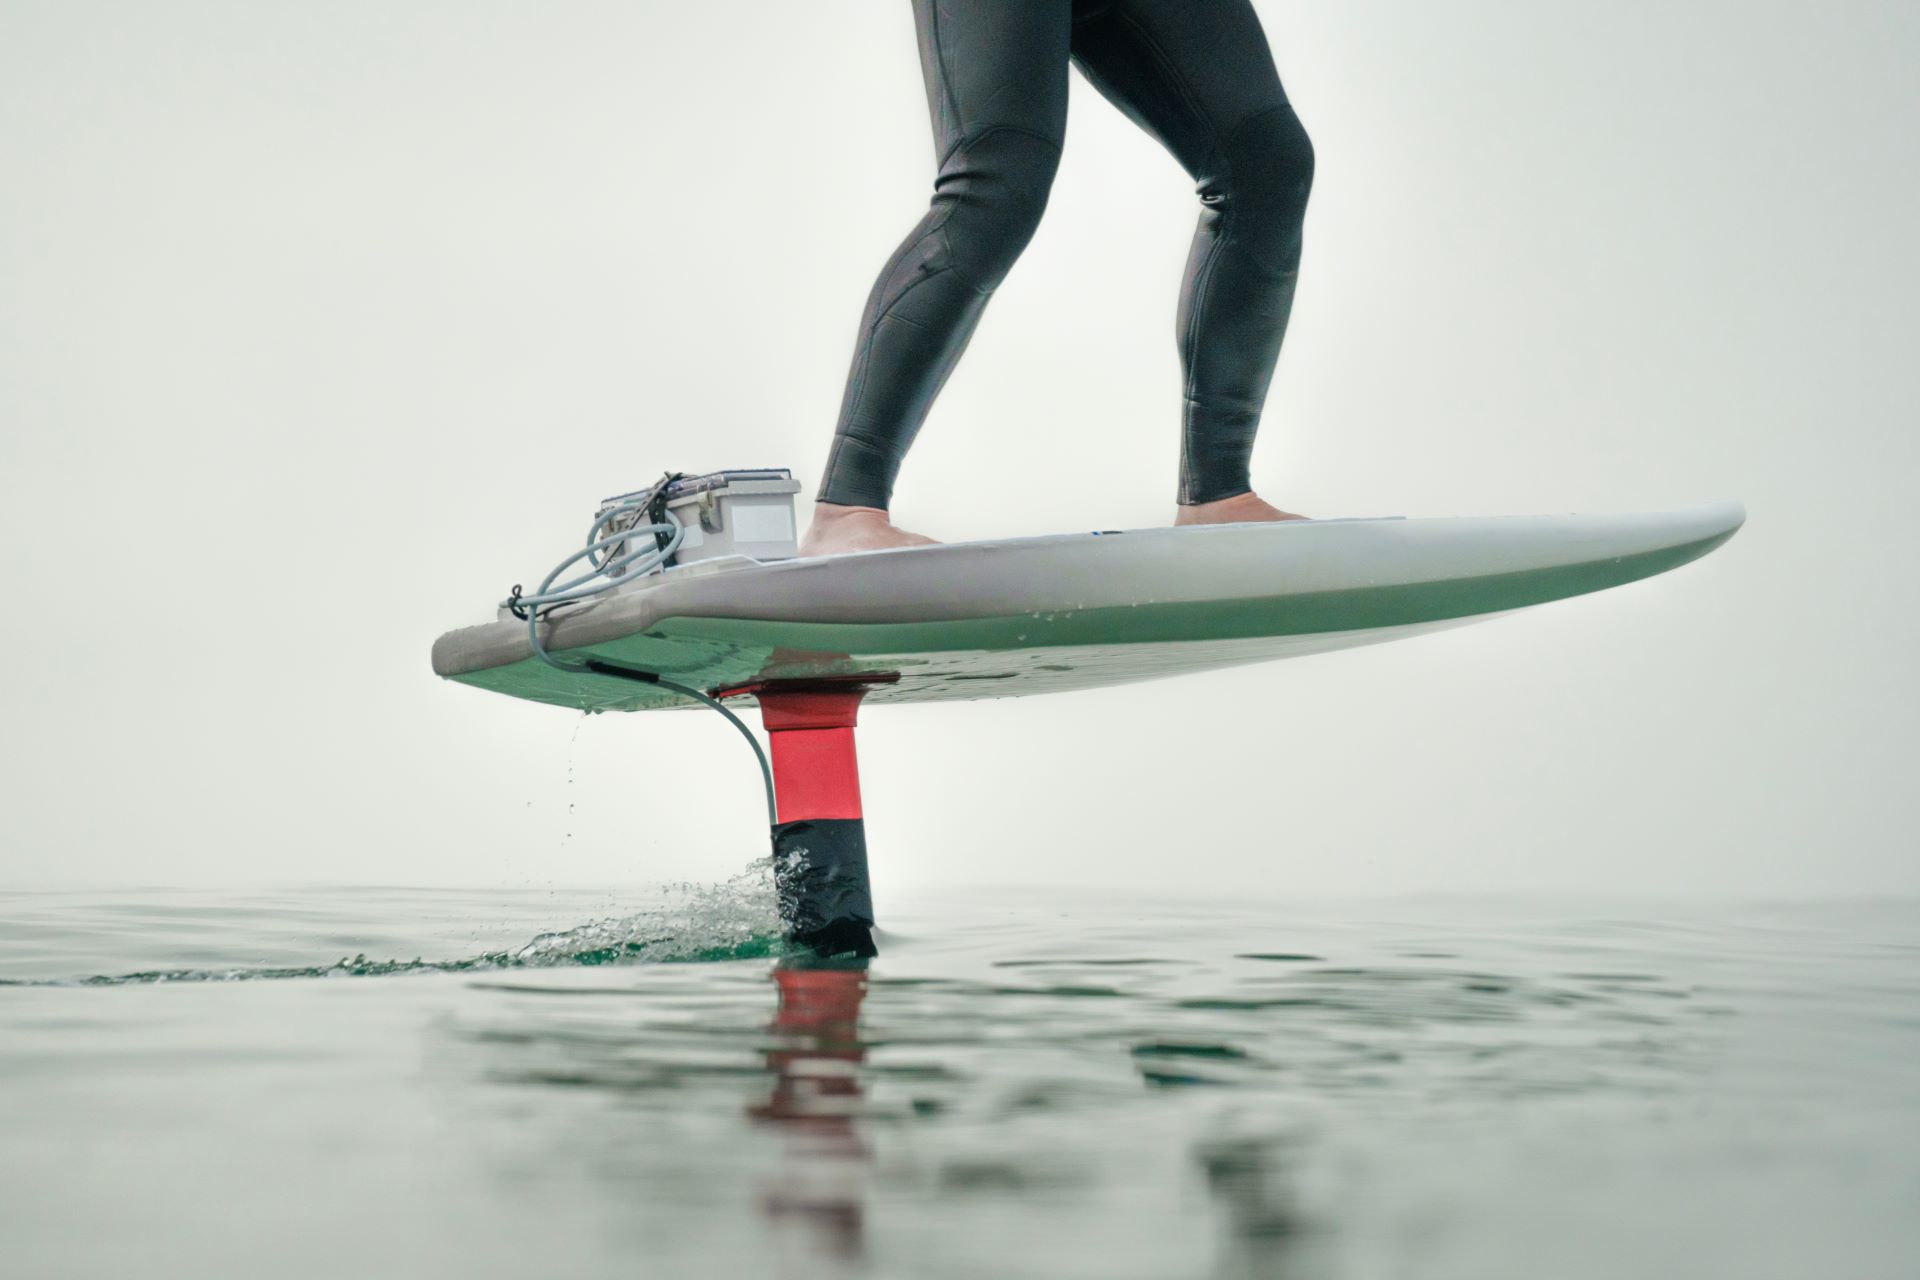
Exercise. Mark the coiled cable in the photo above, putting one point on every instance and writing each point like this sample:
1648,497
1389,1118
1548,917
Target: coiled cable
609,571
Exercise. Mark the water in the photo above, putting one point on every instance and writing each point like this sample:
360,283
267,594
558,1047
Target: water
425,1083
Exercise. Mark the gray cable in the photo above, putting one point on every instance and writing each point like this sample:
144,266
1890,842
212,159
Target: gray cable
648,559
766,770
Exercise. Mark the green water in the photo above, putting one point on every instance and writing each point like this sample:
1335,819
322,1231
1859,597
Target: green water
425,1083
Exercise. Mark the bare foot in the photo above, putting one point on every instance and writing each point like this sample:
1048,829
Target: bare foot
1242,508
836,529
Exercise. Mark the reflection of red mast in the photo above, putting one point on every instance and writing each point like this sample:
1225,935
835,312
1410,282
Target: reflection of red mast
816,1098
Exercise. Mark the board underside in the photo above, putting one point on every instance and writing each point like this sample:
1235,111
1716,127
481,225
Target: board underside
1042,650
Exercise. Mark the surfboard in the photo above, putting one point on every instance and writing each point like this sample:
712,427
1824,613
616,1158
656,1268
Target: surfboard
1020,616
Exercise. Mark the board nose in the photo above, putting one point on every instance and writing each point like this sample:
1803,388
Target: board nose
1712,520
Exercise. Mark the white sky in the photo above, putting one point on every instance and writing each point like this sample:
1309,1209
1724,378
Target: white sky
322,324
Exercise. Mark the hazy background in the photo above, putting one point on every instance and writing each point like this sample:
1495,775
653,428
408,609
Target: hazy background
320,325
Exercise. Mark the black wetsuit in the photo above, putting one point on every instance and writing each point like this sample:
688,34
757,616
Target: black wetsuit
1197,75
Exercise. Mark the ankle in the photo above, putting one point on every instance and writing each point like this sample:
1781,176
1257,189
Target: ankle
834,512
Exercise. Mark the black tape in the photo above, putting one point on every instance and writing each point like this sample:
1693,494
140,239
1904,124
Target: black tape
820,874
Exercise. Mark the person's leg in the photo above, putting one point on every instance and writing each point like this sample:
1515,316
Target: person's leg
1197,74
996,75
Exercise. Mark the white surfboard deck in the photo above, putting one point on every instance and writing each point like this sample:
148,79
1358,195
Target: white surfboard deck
1022,616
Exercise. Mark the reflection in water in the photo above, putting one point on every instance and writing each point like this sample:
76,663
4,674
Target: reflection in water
817,1201
1057,1105
1161,1085
1045,1093
1264,1227
820,1189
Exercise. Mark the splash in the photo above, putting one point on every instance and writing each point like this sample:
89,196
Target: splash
691,923
735,919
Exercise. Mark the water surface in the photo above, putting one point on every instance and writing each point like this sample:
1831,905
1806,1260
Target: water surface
457,1083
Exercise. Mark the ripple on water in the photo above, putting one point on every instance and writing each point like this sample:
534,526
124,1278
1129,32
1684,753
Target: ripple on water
732,920
1026,1095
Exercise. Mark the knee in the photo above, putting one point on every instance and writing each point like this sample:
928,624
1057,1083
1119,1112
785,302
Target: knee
993,190
1267,171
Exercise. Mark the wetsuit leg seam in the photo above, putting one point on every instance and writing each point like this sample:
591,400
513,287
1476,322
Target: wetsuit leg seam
1188,342
1171,71
940,67
1251,116
866,347
1221,241
861,380
1191,342
967,144
969,141
911,285
1239,127
858,381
